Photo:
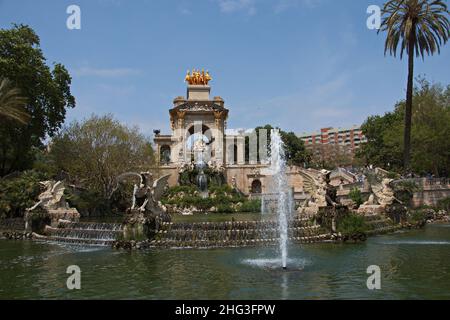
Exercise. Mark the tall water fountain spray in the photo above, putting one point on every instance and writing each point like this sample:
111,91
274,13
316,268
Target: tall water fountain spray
281,190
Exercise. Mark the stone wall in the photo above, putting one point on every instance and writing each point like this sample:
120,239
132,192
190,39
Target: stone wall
430,197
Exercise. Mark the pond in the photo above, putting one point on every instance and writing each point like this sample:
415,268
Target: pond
414,265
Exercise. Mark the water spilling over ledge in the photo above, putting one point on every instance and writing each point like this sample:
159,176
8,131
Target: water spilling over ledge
98,234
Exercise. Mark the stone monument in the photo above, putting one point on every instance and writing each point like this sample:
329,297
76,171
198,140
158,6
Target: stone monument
50,208
146,213
382,196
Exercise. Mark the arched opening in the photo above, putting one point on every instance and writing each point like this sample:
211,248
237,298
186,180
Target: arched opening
199,143
256,186
164,155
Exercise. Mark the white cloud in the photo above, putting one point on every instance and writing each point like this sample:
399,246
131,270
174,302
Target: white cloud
106,73
284,5
231,6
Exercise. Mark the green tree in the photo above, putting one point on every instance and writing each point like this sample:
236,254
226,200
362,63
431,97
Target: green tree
418,27
94,152
430,135
295,151
379,150
12,104
47,92
19,192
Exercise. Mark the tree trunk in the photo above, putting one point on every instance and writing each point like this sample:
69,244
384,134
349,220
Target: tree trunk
408,108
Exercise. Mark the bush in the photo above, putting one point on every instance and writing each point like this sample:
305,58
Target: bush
418,217
444,204
404,191
251,206
223,197
356,196
19,193
353,227
88,203
225,208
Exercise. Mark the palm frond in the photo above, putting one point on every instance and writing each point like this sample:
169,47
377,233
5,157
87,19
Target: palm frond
12,103
425,23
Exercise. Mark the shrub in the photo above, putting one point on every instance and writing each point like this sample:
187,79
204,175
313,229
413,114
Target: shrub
404,191
225,208
19,193
88,203
353,227
356,196
223,197
418,217
444,204
251,206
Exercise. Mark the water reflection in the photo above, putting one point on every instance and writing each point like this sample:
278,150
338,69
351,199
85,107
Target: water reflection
413,265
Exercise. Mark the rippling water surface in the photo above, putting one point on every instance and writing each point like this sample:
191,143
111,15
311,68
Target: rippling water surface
414,265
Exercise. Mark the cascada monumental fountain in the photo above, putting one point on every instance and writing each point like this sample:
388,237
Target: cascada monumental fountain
200,139
199,122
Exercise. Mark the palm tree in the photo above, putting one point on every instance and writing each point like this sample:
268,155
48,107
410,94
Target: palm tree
12,104
420,27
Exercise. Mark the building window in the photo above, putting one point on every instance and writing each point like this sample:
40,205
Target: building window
256,187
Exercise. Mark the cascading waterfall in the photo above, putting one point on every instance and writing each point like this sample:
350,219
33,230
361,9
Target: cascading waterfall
83,233
278,167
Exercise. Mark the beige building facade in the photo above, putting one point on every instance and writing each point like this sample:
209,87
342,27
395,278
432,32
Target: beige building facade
199,125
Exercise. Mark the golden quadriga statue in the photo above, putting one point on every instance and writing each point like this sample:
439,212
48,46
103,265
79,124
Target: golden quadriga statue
197,77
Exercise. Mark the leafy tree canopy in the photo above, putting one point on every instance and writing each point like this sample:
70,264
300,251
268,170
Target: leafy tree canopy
97,150
46,90
430,133
295,151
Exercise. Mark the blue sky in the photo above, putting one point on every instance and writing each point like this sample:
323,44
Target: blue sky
297,64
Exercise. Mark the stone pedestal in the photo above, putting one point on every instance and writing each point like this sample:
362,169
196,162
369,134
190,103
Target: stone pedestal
140,225
37,220
198,92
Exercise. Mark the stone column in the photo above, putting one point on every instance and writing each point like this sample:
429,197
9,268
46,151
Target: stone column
241,150
229,146
218,146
